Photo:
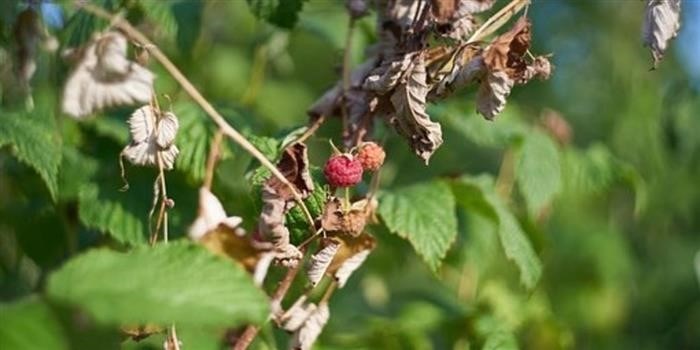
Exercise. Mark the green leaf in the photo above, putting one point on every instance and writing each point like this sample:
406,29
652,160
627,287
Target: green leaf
35,140
596,170
282,13
501,340
481,132
179,283
479,194
110,211
425,215
30,324
193,140
538,171
296,221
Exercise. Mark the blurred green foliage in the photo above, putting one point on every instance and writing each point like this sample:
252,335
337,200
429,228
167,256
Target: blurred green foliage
587,244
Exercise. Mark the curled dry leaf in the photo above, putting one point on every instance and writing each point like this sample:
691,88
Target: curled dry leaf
305,336
210,215
506,52
152,136
385,77
475,6
661,24
411,120
492,94
460,21
540,68
295,317
466,68
444,10
320,261
104,78
278,199
352,253
337,220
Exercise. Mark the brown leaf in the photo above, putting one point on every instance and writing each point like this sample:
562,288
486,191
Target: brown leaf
411,119
231,243
337,220
385,77
474,6
466,68
352,253
661,24
492,94
273,233
444,10
294,165
505,53
540,68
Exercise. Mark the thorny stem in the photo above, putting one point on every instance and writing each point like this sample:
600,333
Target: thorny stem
251,330
226,128
212,158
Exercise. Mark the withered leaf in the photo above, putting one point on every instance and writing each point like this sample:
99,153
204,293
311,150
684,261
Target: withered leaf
319,262
492,94
297,315
540,68
475,6
444,10
146,130
230,243
273,232
210,215
385,77
305,336
411,120
294,165
352,253
352,221
466,68
104,78
505,53
140,332
661,24
329,103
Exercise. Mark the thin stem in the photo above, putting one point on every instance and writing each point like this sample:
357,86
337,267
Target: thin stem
257,76
497,20
212,158
311,129
346,76
329,292
192,91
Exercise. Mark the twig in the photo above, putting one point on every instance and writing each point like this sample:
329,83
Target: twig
252,330
227,129
212,158
346,77
311,129
497,20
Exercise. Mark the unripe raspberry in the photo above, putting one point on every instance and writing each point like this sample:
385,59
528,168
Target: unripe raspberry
371,156
343,170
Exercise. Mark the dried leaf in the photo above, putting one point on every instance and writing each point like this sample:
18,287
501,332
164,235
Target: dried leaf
167,129
411,119
321,260
144,148
385,77
352,253
444,10
661,24
474,6
232,243
210,215
140,332
492,94
540,68
505,53
305,336
294,165
274,234
336,219
104,78
468,67
297,314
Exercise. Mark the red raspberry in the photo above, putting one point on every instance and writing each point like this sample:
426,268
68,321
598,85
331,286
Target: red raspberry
343,170
371,155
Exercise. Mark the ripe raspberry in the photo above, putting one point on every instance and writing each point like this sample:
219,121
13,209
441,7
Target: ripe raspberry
371,155
343,170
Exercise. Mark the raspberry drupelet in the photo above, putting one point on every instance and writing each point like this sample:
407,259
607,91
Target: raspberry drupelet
371,156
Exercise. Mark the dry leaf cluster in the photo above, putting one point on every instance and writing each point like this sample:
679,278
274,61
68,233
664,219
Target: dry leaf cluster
152,138
406,69
661,24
